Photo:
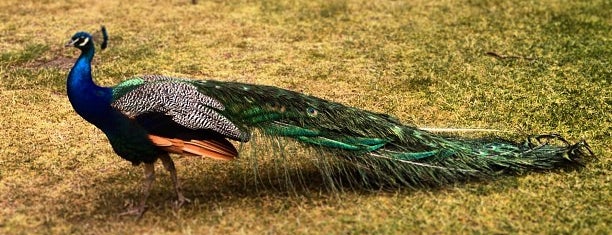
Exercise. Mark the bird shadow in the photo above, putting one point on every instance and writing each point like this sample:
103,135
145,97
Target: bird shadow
209,192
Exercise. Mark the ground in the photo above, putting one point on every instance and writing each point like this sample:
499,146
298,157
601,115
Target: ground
522,67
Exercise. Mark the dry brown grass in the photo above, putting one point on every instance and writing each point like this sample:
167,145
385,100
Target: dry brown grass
423,62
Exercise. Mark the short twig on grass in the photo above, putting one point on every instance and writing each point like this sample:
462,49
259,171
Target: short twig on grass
505,57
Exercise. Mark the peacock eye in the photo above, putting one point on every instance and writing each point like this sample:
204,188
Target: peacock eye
311,111
83,40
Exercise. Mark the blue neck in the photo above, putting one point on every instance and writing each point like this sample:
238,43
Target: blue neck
89,100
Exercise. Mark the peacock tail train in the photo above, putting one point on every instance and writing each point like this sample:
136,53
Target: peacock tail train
369,149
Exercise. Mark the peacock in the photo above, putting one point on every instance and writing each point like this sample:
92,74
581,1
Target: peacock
149,117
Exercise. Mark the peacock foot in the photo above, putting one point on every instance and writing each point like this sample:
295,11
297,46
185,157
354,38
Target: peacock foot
181,201
138,212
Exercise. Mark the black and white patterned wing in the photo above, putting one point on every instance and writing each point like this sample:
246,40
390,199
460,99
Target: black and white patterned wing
183,102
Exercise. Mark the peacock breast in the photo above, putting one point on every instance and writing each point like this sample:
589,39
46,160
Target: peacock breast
130,141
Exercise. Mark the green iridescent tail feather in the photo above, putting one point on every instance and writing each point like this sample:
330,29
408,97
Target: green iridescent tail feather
382,149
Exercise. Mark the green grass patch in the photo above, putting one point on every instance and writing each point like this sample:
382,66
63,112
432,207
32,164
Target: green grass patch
428,63
29,53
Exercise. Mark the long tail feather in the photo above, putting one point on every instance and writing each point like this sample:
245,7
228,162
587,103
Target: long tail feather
382,148
456,130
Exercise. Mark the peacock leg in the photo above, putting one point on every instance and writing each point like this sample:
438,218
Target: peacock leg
169,165
149,171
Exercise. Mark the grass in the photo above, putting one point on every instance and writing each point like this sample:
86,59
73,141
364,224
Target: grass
424,62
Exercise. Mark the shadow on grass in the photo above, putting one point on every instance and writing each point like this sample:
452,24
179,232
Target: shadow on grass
200,186
287,187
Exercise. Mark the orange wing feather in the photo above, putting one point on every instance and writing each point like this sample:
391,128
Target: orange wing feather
218,149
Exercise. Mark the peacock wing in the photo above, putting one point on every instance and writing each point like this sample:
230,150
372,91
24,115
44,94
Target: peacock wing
176,99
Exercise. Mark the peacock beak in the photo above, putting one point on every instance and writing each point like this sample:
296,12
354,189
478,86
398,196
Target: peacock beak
71,43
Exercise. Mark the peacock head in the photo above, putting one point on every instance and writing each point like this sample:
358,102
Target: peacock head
83,40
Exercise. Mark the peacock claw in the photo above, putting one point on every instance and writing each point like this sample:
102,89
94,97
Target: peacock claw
181,201
138,212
